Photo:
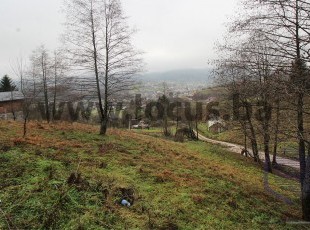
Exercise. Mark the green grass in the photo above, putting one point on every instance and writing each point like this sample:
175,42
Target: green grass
190,185
231,135
203,129
236,136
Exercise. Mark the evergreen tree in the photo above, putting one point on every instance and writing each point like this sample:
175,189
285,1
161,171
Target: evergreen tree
6,84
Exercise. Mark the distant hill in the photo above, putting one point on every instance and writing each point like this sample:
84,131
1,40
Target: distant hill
181,75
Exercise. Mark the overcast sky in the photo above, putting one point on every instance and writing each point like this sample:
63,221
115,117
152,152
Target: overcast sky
174,34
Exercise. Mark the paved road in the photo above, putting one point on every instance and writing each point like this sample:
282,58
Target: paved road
238,148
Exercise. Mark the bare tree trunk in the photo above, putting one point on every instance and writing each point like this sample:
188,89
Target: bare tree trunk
300,98
12,106
25,126
304,182
104,122
253,135
306,189
44,67
166,132
177,117
266,117
55,87
197,133
165,103
95,57
276,133
47,112
268,167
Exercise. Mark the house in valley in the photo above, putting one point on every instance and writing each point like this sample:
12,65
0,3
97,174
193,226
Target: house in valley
216,126
11,102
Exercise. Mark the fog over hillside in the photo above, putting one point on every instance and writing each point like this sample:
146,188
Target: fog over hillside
180,76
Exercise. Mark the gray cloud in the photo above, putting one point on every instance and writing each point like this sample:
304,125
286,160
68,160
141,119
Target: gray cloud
172,33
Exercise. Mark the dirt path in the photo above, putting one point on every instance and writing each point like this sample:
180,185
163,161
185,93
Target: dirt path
238,148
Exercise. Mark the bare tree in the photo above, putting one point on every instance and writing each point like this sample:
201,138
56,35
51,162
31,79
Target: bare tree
235,72
30,97
42,69
285,26
27,76
98,40
60,83
164,101
18,68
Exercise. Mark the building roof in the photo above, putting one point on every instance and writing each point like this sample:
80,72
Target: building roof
11,96
215,122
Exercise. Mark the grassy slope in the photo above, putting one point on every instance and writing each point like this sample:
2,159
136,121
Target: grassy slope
186,185
236,136
287,142
233,135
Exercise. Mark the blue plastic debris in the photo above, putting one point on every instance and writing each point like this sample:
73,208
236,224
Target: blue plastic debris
125,203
